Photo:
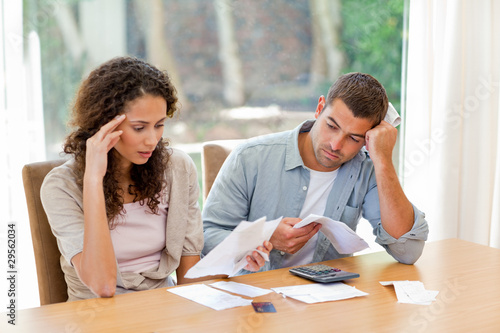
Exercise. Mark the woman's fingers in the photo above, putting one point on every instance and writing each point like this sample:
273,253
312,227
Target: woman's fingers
110,127
107,134
113,139
100,144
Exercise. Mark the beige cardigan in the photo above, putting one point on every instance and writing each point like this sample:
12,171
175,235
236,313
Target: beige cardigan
62,200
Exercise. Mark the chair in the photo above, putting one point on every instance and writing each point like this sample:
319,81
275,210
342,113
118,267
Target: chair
213,155
51,284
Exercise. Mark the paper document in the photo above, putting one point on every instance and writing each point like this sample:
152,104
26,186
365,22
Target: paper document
213,298
392,116
229,256
343,238
240,288
412,292
325,292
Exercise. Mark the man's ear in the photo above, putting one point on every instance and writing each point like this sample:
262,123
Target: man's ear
320,106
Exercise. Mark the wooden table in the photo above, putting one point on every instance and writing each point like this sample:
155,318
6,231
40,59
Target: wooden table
466,275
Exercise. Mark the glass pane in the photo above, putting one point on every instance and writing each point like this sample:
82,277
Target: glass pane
273,57
242,68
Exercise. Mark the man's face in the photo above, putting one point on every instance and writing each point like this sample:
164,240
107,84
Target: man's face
337,136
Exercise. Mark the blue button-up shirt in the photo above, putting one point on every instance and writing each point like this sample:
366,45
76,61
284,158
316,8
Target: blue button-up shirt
265,176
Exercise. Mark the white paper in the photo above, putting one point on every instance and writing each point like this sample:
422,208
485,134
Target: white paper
240,288
325,292
343,238
213,298
228,257
392,116
412,292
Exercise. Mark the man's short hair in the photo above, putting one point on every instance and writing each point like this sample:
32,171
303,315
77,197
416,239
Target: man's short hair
362,94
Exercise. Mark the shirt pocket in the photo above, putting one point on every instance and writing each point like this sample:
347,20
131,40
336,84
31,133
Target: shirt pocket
350,216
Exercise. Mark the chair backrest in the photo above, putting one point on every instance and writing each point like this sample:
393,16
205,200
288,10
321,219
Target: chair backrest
51,284
213,155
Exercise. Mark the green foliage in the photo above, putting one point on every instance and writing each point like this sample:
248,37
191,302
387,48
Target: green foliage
372,40
61,75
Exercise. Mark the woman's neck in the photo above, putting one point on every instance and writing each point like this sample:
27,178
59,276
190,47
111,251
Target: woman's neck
125,182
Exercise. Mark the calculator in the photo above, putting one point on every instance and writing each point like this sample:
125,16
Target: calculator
322,273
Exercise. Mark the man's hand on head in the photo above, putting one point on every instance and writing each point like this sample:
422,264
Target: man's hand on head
380,142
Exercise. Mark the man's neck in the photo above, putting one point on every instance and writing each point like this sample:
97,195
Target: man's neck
306,150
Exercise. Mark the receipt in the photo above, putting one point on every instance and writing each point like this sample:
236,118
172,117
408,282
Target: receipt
412,292
392,116
240,288
320,292
213,298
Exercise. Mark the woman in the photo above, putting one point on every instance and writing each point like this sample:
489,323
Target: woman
125,208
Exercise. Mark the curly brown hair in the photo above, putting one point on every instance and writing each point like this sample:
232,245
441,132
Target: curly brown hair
102,96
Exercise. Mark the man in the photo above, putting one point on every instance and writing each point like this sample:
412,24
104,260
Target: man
339,166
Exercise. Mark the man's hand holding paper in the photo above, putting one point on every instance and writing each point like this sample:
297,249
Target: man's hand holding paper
343,238
230,256
289,239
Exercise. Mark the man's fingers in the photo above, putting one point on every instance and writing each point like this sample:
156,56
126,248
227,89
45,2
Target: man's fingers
255,261
259,260
251,264
307,229
300,241
291,221
290,240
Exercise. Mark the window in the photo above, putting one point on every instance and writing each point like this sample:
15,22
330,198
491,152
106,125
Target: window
274,57
242,68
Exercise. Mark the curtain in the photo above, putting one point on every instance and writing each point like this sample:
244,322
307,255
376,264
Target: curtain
452,146
21,141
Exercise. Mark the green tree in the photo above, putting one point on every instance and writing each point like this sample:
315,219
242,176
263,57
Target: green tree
372,40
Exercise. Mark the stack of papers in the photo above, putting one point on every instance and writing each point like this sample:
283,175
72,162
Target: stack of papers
412,292
315,293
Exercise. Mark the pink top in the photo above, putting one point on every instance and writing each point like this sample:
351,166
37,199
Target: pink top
139,237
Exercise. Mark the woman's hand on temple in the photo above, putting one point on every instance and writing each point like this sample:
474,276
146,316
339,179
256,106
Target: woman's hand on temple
98,146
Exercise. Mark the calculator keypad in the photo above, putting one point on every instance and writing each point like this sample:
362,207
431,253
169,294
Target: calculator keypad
322,273
318,270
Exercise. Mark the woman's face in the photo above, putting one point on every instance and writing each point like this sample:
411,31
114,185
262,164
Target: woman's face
142,129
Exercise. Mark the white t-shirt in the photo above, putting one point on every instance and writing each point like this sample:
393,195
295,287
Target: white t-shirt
139,237
320,186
